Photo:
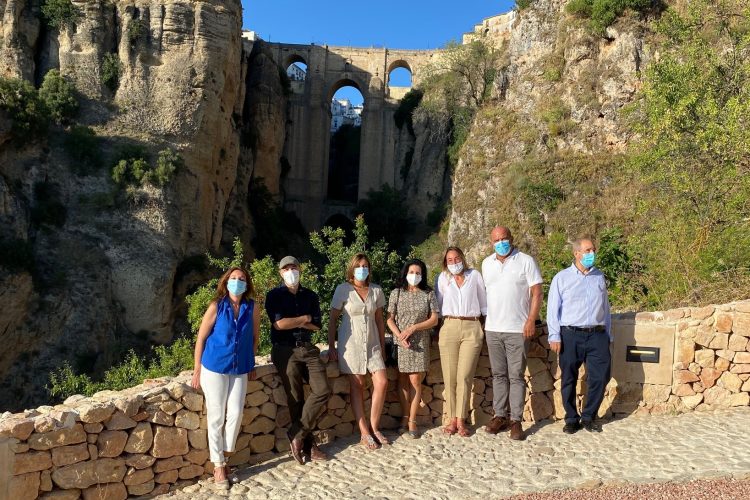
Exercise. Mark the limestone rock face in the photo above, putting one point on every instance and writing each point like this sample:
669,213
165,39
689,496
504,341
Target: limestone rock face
182,85
594,78
21,23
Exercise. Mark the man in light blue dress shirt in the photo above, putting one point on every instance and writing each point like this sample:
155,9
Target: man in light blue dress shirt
579,324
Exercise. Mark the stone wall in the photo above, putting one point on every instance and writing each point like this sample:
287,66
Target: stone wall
152,438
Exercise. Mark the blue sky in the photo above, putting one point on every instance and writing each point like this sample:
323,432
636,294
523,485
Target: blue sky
403,24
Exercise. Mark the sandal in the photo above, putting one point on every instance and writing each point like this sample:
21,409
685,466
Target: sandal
413,434
403,429
463,431
369,443
232,475
381,438
450,429
222,485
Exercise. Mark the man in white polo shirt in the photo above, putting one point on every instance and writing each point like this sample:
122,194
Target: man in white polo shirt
514,297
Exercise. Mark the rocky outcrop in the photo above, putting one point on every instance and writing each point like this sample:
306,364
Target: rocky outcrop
106,275
561,92
18,36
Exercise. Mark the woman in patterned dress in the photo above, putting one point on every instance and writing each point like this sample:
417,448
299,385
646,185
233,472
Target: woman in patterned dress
412,314
361,338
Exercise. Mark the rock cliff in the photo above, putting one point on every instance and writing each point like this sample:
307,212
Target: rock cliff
558,98
112,275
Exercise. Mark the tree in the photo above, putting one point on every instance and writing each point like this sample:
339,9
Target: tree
58,96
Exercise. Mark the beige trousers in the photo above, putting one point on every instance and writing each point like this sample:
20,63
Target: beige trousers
460,344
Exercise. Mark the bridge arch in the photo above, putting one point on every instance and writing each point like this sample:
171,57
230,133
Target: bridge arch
348,81
399,63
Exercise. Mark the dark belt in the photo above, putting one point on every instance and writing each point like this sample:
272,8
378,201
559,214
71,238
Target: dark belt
587,329
464,318
294,343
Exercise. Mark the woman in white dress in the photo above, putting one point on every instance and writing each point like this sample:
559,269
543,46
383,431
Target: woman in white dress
361,339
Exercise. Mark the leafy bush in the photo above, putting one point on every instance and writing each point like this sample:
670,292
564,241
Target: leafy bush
693,239
60,14
111,70
136,30
21,101
133,169
603,13
83,147
16,255
163,361
58,96
47,209
167,164
523,4
405,111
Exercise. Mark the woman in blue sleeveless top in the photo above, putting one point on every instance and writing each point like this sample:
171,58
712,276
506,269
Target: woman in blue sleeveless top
225,361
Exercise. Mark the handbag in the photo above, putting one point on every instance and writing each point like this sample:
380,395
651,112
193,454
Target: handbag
391,346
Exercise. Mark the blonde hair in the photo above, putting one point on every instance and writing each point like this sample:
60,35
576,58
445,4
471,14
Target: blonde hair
353,263
460,254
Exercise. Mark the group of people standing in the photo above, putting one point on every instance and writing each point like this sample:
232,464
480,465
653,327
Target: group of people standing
498,305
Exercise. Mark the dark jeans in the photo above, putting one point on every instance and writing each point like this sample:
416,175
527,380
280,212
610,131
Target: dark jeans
591,349
295,365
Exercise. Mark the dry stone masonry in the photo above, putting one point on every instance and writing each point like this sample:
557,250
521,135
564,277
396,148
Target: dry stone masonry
151,439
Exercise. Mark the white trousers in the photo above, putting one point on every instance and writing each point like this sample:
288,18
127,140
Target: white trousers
225,402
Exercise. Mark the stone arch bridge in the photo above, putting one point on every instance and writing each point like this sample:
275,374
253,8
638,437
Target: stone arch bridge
308,133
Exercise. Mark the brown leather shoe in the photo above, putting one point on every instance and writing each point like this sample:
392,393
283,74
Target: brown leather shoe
318,455
516,431
296,446
497,424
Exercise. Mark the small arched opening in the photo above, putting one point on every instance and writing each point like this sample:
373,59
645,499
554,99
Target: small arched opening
399,79
296,68
347,106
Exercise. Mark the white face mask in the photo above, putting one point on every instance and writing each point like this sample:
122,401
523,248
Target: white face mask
456,268
291,277
414,279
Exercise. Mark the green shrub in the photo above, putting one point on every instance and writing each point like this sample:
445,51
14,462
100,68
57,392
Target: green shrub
523,4
136,30
16,255
83,147
60,14
405,111
21,101
47,209
162,361
167,164
58,96
111,70
133,169
603,13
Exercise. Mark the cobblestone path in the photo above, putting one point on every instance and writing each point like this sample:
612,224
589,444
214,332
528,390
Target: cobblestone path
630,450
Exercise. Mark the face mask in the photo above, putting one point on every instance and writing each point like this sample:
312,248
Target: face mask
502,248
236,287
456,268
361,273
414,279
588,259
291,277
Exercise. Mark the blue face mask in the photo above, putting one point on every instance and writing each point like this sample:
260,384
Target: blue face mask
588,259
236,287
502,248
361,273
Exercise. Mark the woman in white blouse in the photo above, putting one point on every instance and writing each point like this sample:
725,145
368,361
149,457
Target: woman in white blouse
361,339
463,306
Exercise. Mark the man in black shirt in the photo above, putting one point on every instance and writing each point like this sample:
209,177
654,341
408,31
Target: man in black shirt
294,312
